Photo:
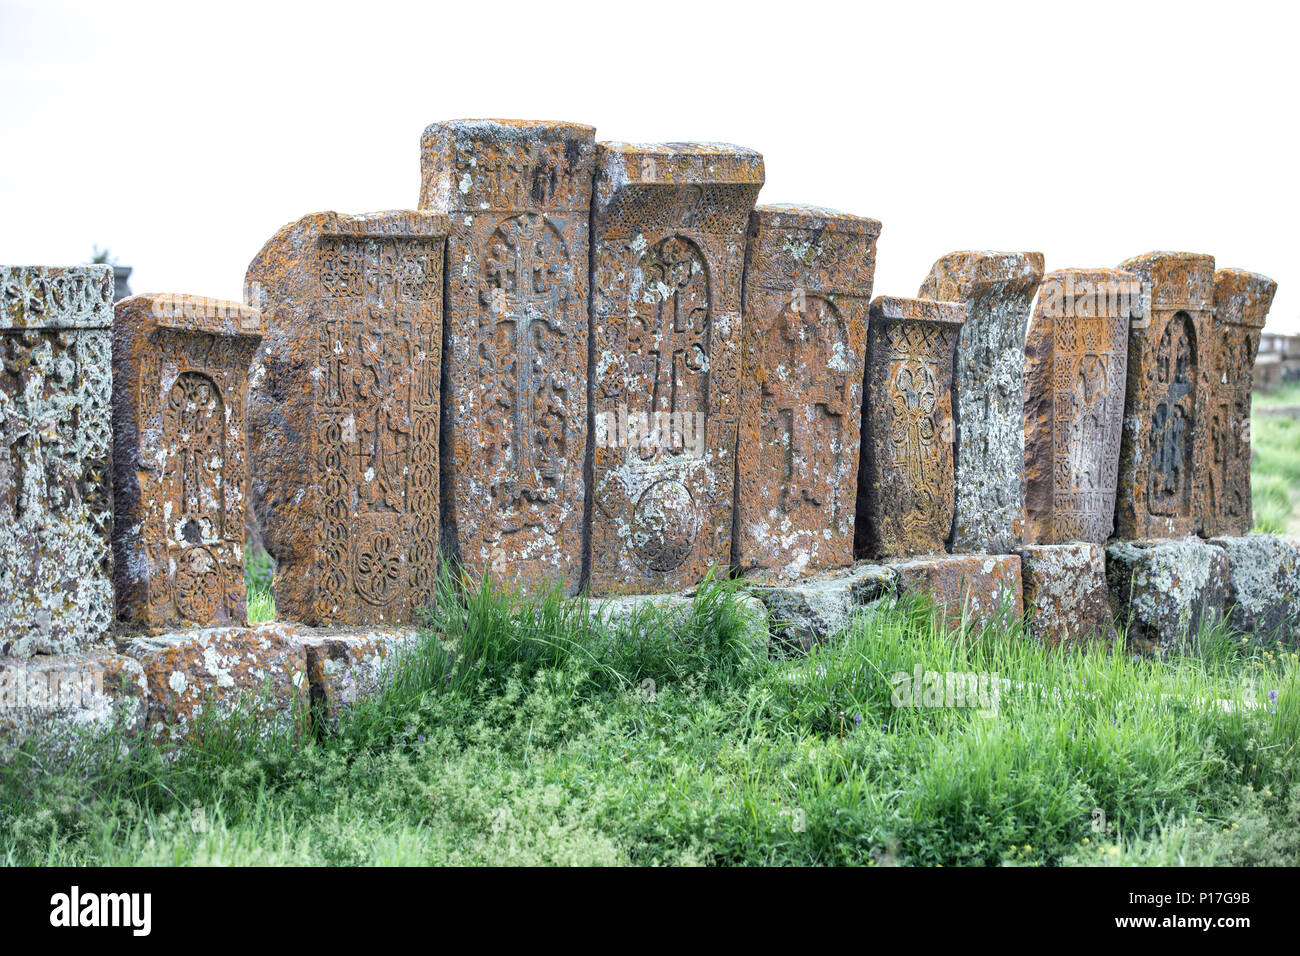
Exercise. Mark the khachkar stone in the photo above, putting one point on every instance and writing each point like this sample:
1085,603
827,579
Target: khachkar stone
808,275
56,509
514,426
1163,462
988,391
905,484
343,414
180,463
669,224
1076,362
1241,303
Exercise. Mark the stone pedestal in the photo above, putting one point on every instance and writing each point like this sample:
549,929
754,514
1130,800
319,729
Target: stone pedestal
1065,594
1163,590
970,589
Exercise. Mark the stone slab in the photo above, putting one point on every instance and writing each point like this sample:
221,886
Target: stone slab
1067,601
669,223
905,480
343,669
823,606
808,277
56,380
1163,460
1241,303
1076,368
343,414
1162,590
972,589
259,673
624,611
180,458
1264,586
64,704
514,426
988,392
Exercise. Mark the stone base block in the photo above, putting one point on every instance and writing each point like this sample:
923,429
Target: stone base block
804,613
1162,590
62,703
259,672
344,668
972,589
1065,593
1264,586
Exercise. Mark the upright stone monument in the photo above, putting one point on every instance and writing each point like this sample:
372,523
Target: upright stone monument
988,391
1163,465
669,223
343,414
56,381
514,428
905,486
180,458
1241,303
808,276
1076,364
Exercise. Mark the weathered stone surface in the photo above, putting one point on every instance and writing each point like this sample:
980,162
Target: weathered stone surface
1264,585
628,611
988,391
56,594
1065,593
972,589
180,466
1162,590
64,703
808,276
345,668
514,427
823,605
1163,462
1241,303
343,414
669,224
259,673
905,482
1076,365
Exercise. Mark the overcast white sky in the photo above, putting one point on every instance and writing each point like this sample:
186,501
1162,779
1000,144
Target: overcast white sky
181,136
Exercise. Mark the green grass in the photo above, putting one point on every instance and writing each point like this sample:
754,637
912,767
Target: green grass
527,731
1275,471
259,573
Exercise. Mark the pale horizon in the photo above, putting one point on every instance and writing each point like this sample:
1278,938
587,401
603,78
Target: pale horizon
181,140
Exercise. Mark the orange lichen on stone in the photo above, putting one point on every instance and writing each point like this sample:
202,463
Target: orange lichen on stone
808,277
180,462
1163,461
669,223
514,424
972,589
343,414
905,483
1076,363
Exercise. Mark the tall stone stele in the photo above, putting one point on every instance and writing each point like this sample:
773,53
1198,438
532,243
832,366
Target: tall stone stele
343,414
1163,460
1241,303
808,276
180,458
514,427
1076,364
56,507
905,484
988,391
669,223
